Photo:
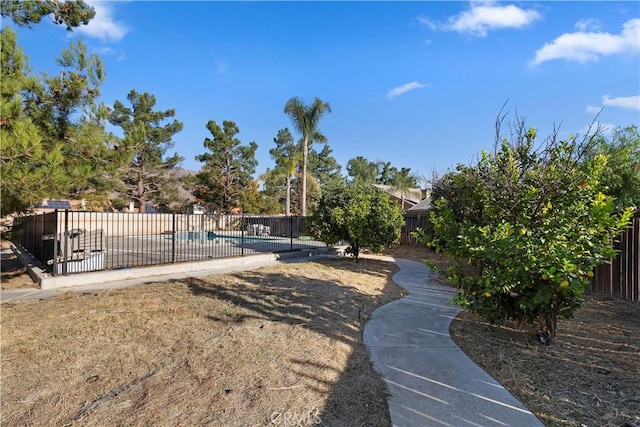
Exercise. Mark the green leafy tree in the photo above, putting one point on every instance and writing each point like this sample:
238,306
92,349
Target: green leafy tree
227,170
306,119
324,166
286,154
621,178
273,189
69,13
362,215
386,173
148,135
362,170
72,152
532,221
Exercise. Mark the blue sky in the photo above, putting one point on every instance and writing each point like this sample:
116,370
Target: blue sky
418,84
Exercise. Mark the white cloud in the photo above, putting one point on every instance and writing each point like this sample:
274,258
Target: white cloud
630,102
428,22
583,46
588,25
103,26
592,109
397,91
484,16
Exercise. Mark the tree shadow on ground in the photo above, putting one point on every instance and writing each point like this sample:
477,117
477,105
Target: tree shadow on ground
335,310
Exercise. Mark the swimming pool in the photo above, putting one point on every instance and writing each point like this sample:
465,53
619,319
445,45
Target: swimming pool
210,235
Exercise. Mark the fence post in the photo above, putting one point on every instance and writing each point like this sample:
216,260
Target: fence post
242,231
66,242
56,242
173,238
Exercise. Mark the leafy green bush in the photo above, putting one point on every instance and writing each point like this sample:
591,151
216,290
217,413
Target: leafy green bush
362,215
533,221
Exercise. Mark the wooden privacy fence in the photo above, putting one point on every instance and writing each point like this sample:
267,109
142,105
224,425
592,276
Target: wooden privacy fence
411,223
621,277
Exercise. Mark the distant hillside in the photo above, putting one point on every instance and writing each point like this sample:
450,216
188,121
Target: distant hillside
181,173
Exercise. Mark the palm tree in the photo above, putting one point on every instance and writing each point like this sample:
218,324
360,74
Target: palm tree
306,118
403,182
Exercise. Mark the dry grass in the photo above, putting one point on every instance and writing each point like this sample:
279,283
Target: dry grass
282,346
276,346
591,377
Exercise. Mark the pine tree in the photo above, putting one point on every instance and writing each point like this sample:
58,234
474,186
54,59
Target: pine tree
69,13
147,137
227,170
24,162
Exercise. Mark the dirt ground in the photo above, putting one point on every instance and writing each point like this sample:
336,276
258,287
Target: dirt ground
277,346
283,344
14,274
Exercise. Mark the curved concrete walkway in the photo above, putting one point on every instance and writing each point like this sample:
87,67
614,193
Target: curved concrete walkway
430,380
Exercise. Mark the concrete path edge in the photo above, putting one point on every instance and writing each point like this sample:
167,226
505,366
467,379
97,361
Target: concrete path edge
431,381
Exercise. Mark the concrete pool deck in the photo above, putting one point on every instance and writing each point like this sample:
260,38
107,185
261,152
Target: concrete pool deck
46,281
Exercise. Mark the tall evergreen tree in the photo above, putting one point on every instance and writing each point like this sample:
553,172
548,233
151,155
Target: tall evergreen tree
52,126
24,162
362,170
147,136
228,168
324,167
386,173
306,118
69,13
286,154
67,111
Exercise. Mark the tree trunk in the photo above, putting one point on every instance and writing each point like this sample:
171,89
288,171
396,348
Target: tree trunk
305,147
141,198
287,203
552,324
548,323
355,249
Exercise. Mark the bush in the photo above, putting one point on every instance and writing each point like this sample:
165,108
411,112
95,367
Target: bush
362,215
534,223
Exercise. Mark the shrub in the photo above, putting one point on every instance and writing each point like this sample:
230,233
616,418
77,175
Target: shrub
534,223
362,215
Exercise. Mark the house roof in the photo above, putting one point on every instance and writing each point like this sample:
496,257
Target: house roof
412,195
423,206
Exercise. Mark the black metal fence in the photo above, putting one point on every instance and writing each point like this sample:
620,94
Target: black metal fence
76,241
